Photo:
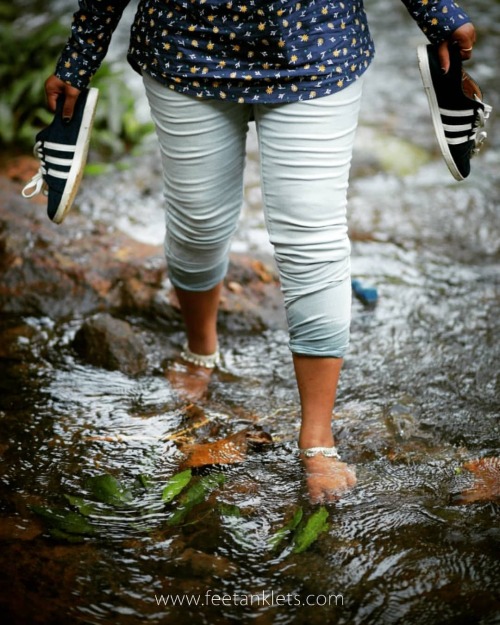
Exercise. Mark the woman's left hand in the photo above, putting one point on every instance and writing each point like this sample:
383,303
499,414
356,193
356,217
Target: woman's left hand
464,37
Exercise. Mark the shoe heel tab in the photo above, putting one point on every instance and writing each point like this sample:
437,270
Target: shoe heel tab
470,87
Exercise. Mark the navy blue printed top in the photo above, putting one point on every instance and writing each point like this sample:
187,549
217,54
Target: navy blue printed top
244,51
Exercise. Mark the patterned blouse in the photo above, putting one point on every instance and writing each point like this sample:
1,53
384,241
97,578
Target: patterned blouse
243,50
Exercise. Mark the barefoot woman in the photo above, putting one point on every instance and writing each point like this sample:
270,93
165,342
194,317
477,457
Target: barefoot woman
296,68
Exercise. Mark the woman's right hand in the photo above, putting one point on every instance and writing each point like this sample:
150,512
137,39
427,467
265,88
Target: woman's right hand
55,88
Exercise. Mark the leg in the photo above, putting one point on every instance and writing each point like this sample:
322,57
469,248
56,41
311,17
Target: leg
199,311
306,149
202,145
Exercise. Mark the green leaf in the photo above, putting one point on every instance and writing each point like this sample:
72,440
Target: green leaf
145,481
70,538
175,485
107,489
306,534
69,522
84,507
276,539
195,495
229,510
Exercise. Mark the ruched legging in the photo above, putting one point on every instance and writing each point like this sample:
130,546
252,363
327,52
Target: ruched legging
305,155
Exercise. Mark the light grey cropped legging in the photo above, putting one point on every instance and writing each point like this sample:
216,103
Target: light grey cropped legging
305,154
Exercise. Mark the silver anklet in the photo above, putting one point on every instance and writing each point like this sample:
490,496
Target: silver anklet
209,361
328,452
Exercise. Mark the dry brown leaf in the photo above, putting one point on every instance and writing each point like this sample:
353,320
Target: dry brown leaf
486,485
229,450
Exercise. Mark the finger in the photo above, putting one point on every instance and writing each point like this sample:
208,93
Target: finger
444,56
70,99
54,87
465,53
465,38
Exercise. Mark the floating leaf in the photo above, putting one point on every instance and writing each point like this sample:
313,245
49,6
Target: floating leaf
107,489
306,534
276,539
175,485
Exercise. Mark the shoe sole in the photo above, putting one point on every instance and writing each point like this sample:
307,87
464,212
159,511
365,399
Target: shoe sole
425,73
75,174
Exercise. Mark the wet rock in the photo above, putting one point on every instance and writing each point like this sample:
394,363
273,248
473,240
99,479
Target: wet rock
111,343
78,267
82,267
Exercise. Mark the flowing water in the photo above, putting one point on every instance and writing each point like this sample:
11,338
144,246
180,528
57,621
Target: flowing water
418,398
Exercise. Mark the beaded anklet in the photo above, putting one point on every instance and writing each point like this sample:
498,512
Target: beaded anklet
328,452
209,361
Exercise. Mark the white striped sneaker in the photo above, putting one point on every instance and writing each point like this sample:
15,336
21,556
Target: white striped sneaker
457,110
62,149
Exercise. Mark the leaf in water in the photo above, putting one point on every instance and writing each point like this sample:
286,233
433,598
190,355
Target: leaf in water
70,538
68,522
84,507
175,485
229,450
108,489
229,510
195,495
308,533
486,485
145,481
276,539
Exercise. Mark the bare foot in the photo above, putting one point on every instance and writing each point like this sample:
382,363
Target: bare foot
189,381
327,478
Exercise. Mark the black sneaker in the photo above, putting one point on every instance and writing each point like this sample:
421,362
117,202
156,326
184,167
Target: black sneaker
62,150
457,110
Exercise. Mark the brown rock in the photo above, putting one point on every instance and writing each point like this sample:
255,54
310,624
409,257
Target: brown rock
111,343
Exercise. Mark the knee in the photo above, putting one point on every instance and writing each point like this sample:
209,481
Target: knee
319,321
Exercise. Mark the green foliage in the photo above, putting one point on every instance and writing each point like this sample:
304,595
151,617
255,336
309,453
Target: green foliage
29,50
183,496
308,533
196,494
116,127
175,484
284,531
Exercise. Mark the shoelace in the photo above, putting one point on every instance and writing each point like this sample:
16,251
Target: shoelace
478,136
37,182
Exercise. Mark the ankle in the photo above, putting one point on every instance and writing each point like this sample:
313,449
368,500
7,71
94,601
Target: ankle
313,438
205,345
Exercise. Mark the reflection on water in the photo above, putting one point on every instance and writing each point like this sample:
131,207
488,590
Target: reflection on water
419,396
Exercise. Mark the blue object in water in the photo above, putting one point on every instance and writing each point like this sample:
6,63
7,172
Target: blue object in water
368,295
